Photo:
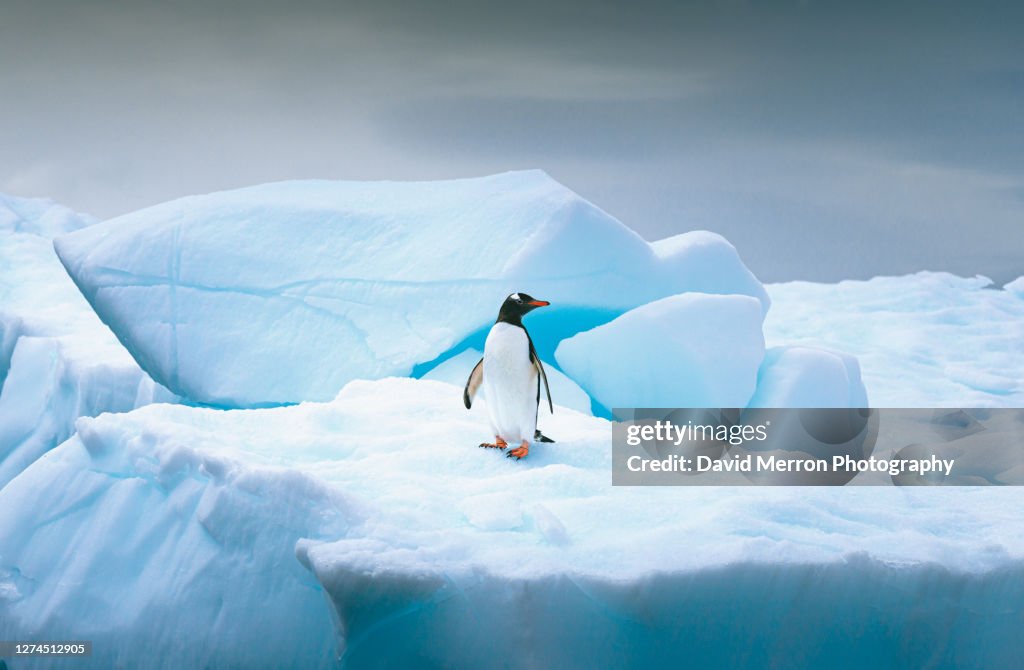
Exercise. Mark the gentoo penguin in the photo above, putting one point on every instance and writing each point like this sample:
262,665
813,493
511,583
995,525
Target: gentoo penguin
511,373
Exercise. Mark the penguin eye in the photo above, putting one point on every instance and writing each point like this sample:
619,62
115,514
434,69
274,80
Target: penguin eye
519,301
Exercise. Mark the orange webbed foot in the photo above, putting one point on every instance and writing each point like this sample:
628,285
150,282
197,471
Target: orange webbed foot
498,444
521,451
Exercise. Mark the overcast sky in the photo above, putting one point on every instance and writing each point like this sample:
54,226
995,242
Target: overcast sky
825,140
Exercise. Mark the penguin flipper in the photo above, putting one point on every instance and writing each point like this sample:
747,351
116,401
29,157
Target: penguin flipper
544,376
535,359
476,378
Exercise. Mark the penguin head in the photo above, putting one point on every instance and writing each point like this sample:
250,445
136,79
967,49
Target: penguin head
517,305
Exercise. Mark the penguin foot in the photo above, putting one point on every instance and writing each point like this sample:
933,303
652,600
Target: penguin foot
520,451
498,444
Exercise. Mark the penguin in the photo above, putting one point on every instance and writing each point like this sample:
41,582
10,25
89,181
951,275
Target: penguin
511,374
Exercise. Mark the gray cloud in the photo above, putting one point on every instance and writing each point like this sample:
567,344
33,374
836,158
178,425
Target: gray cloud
826,140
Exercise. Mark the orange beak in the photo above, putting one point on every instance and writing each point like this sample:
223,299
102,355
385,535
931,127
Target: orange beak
539,303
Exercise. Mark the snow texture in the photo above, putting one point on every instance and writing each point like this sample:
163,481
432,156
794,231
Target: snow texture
925,340
173,523
809,377
284,292
689,350
165,551
57,360
39,216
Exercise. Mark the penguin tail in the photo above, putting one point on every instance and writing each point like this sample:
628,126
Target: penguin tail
541,437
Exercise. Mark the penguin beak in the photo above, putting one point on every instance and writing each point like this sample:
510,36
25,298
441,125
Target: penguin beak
539,303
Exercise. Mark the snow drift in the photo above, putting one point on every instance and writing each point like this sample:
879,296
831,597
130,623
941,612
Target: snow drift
285,292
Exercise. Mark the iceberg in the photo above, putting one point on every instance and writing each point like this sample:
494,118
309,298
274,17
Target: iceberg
705,262
57,360
39,216
163,556
368,530
689,350
372,531
285,292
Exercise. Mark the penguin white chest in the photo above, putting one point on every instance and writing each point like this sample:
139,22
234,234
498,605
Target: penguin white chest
510,383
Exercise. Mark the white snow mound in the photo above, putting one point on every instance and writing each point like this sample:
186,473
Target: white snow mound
809,377
689,350
284,292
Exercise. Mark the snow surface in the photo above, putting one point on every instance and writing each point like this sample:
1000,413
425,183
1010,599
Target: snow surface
284,292
925,340
373,528
39,216
689,350
57,360
174,523
165,553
